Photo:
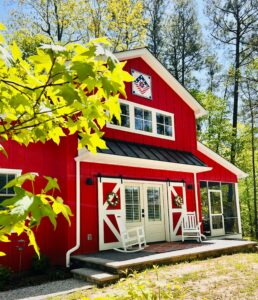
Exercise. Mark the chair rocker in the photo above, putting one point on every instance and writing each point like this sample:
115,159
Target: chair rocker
190,228
133,240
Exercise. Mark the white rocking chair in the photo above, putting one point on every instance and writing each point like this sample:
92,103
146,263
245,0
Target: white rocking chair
133,240
190,228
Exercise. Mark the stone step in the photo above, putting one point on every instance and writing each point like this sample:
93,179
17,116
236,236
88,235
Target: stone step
97,277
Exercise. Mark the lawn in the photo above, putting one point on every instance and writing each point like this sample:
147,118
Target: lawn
226,277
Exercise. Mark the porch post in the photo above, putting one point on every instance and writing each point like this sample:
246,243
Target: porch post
196,197
238,209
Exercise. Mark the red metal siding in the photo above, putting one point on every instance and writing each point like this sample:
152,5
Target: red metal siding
164,98
218,172
50,160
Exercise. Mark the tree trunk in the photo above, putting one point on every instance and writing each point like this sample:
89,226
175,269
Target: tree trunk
250,217
236,91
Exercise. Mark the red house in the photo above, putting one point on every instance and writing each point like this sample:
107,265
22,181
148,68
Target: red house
153,158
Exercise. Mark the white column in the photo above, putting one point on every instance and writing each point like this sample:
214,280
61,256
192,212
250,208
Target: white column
196,197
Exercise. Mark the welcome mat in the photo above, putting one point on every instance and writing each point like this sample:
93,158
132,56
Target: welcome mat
171,246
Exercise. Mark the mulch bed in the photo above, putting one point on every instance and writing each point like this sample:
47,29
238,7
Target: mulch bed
171,246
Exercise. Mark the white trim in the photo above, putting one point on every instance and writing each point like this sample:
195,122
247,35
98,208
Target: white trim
153,111
110,159
220,160
78,215
238,209
196,198
10,171
166,76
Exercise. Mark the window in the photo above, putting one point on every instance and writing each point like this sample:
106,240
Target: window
164,124
143,119
132,204
9,192
153,198
125,116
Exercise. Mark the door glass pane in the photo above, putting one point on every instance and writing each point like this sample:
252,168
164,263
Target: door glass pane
215,203
132,204
229,208
205,208
217,222
153,200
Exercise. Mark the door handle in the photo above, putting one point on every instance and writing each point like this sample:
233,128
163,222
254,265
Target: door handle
143,213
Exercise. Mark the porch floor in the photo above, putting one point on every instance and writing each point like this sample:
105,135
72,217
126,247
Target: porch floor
163,253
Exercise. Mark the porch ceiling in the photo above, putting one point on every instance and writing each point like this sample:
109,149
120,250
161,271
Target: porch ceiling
144,156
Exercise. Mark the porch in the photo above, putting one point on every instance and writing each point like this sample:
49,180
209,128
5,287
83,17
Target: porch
108,266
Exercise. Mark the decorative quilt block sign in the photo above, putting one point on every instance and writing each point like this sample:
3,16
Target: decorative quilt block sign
141,86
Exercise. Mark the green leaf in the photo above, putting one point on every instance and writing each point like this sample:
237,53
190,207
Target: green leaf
51,184
2,150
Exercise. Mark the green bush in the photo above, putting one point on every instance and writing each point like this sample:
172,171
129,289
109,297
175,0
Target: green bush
40,265
5,275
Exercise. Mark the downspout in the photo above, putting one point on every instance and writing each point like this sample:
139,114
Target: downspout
196,197
78,214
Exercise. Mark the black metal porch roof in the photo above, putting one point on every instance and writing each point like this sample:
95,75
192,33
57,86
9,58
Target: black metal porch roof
122,148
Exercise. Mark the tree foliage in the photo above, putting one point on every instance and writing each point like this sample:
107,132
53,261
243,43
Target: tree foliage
235,24
122,22
183,41
58,92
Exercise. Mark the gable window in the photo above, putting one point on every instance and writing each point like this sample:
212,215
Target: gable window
140,119
143,119
164,124
125,116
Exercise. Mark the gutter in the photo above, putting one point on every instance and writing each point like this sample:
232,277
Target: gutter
78,215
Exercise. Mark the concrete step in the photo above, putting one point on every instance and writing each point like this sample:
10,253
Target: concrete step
78,261
97,277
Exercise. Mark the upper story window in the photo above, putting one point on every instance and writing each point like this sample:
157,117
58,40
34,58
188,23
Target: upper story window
125,116
141,119
164,124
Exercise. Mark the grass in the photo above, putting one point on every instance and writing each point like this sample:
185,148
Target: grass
226,277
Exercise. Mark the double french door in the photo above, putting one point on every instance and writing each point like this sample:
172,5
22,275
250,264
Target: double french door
144,206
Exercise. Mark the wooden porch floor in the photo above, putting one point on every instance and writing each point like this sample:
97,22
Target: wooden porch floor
163,253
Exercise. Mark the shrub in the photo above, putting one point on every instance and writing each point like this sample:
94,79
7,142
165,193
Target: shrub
40,265
5,275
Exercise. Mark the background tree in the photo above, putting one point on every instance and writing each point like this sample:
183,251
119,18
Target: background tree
60,20
183,41
155,12
235,24
250,100
123,22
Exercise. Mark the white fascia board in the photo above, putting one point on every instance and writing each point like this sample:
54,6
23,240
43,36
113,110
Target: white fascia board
220,160
166,76
109,159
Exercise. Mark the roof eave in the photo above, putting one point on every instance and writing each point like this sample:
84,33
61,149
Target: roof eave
110,159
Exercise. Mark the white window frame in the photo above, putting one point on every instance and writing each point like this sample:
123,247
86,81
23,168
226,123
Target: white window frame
16,172
153,111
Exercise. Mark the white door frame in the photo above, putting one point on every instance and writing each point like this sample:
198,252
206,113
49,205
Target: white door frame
104,212
216,232
171,210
